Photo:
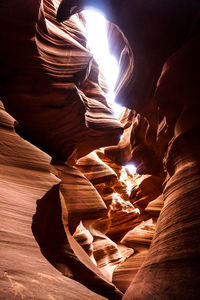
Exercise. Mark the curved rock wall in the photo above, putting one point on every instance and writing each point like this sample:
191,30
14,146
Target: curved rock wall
92,219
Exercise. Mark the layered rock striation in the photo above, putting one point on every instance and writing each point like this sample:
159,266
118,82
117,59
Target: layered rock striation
74,222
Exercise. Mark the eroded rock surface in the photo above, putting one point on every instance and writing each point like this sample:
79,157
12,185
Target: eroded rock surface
24,180
77,224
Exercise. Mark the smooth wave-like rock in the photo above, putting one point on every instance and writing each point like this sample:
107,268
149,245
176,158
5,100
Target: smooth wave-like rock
25,179
168,122
95,169
141,236
89,215
56,97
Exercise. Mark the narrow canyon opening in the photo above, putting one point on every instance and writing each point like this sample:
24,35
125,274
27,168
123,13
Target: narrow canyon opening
107,196
120,236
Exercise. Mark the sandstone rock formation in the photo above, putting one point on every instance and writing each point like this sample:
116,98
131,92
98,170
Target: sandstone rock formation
25,178
74,222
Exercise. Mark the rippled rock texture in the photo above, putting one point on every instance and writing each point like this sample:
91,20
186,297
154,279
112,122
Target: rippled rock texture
74,222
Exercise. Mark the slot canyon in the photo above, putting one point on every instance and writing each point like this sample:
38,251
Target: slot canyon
76,222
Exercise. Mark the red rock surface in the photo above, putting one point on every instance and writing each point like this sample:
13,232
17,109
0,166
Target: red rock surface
24,180
76,224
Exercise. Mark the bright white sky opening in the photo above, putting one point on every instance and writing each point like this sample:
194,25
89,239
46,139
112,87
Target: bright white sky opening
98,44
131,168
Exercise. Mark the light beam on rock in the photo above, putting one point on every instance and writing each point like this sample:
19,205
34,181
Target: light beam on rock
131,168
98,44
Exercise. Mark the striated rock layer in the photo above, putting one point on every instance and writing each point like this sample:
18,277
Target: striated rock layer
164,89
92,219
24,180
